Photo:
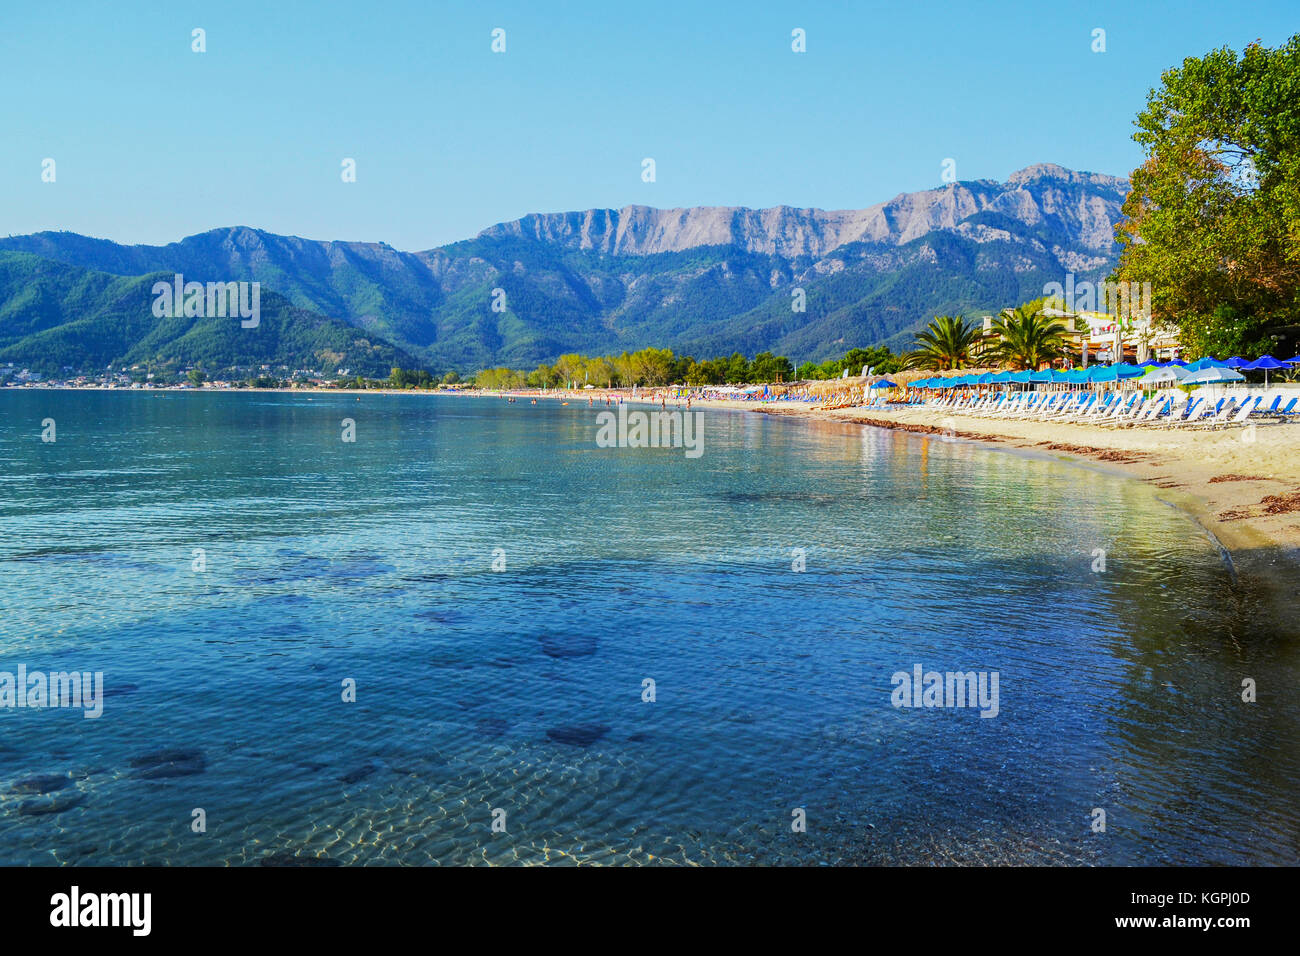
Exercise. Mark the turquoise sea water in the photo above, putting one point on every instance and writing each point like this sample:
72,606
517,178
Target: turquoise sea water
521,690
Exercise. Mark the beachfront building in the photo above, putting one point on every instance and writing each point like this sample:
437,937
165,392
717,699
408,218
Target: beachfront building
1099,337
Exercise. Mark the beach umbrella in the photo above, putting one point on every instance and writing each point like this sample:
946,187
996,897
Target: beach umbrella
1076,376
1021,377
1170,374
1205,363
1265,362
1292,361
1001,378
1113,373
884,383
1213,375
1235,362
985,379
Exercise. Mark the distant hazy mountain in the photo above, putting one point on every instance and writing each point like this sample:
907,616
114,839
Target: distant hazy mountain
704,280
1079,206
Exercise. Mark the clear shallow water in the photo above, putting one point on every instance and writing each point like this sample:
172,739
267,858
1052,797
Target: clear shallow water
521,690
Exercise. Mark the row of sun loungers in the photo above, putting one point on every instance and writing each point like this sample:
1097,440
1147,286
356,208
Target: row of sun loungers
1123,410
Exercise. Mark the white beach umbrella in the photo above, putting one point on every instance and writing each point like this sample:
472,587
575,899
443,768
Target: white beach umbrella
1213,376
1169,374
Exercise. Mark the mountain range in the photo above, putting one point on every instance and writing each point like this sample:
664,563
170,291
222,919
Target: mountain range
703,281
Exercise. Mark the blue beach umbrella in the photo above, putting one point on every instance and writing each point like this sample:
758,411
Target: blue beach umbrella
1051,375
1205,363
1265,362
1001,378
1235,362
884,383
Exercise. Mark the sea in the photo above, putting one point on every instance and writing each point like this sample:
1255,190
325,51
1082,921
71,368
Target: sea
383,629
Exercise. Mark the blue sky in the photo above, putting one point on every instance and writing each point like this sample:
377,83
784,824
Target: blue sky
153,142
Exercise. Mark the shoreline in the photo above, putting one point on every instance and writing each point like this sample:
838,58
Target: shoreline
1245,495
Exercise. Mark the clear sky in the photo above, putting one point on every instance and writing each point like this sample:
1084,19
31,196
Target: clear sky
153,142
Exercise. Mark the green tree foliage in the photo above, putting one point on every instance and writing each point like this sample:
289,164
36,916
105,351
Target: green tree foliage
948,342
496,378
1213,219
410,378
655,367
877,358
1026,338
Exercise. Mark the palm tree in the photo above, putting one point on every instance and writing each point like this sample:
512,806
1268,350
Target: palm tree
947,343
1027,339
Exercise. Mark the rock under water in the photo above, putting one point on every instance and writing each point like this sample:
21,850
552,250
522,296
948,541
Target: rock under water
568,645
41,783
578,735
176,762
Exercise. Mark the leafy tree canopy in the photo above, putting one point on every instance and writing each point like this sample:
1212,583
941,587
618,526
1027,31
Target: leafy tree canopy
1213,219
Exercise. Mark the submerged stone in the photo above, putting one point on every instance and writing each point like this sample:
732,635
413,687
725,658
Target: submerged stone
360,773
288,859
41,783
176,762
578,735
568,645
51,803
